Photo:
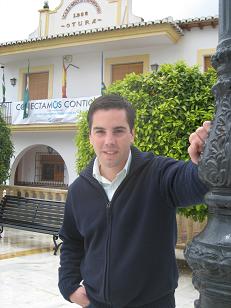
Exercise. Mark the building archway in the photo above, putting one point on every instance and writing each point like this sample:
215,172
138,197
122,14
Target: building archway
39,165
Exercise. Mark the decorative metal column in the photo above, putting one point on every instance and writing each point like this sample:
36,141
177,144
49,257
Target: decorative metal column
209,253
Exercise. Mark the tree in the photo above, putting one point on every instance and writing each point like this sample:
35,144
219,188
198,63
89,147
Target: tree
6,150
170,104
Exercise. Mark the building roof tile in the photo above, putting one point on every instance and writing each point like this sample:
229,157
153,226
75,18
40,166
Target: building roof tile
178,26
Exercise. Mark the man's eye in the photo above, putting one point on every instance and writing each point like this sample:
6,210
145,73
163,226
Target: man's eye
119,131
99,132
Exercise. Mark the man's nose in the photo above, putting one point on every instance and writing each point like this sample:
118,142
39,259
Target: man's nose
109,138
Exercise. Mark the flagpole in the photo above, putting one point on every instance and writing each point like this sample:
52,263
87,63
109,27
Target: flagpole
3,85
102,67
103,87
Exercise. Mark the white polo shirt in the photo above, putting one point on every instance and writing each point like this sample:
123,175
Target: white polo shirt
108,186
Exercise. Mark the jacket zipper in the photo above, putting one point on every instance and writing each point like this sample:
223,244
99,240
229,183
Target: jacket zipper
108,240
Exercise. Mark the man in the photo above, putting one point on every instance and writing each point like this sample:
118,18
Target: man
119,228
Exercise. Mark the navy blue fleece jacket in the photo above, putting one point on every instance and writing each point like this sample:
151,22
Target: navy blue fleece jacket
124,250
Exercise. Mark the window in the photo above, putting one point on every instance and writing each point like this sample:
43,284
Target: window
116,68
119,71
52,172
204,58
207,62
38,85
40,82
47,172
49,168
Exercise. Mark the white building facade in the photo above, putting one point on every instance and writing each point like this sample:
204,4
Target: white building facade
77,46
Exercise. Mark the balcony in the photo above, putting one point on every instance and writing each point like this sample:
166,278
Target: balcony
5,109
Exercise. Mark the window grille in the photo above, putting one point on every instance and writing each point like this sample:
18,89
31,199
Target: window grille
49,168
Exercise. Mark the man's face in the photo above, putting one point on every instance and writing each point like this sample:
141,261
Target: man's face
111,139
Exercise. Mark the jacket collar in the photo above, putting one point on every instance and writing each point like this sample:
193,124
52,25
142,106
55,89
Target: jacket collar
138,159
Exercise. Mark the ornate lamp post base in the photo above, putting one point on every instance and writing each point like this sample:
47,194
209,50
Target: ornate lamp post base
209,256
209,253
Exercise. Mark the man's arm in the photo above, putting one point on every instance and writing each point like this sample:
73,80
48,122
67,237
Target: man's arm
197,140
180,179
72,252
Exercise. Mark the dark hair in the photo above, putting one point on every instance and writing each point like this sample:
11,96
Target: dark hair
112,101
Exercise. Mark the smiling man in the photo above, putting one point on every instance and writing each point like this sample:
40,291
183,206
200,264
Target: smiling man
111,138
119,228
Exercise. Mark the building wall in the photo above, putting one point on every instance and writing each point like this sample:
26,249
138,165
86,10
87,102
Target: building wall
81,16
86,81
108,16
185,49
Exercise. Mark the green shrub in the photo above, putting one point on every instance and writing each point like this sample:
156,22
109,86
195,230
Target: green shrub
6,150
85,150
170,103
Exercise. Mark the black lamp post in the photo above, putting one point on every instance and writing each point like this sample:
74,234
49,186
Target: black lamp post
209,253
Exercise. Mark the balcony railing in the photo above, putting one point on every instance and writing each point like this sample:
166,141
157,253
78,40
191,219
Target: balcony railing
5,109
34,192
45,184
187,228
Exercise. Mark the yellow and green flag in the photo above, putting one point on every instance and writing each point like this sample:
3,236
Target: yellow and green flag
26,96
64,81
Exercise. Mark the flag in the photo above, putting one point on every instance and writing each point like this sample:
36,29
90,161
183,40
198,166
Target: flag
103,87
64,81
3,86
26,97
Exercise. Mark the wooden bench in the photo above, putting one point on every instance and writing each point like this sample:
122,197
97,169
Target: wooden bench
37,215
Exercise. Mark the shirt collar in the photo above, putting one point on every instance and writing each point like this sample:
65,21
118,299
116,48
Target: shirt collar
96,173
